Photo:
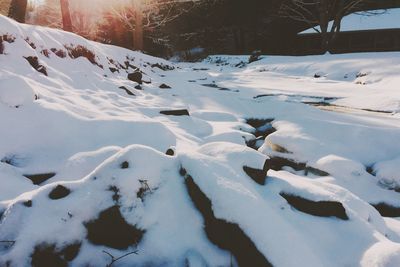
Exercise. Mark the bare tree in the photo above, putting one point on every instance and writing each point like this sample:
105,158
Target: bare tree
17,10
4,7
66,15
146,15
138,32
318,14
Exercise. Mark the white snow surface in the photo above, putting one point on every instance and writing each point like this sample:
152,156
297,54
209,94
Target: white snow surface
337,114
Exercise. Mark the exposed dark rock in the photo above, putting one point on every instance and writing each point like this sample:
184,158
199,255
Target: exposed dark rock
116,196
317,76
138,87
224,234
178,112
34,62
264,131
257,123
124,165
5,38
316,208
45,53
126,90
58,52
241,64
315,171
30,43
37,179
113,70
259,176
8,38
263,128
277,164
361,74
71,251
129,65
387,210
164,86
136,76
255,143
162,66
59,192
170,152
47,255
111,229
27,203
214,85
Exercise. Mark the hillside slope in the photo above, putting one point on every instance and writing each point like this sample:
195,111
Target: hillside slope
283,162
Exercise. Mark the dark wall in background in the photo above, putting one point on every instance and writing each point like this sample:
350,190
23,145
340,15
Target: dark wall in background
347,42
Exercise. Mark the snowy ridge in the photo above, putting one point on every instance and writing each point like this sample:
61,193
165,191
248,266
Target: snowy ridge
282,162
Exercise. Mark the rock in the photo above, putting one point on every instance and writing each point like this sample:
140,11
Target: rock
387,210
136,77
170,152
125,165
257,175
27,203
316,208
37,179
47,255
164,86
111,229
113,70
178,112
162,66
59,192
34,62
225,235
126,90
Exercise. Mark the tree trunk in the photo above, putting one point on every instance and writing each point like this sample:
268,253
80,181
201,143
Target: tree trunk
138,32
66,15
17,10
324,24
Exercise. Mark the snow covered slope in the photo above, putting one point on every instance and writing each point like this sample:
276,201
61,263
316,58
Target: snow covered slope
284,162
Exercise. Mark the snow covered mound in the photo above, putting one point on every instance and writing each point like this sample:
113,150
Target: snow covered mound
110,157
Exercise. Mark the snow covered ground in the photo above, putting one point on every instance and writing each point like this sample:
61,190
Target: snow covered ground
288,161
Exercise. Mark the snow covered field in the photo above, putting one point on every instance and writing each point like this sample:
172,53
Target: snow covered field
288,161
